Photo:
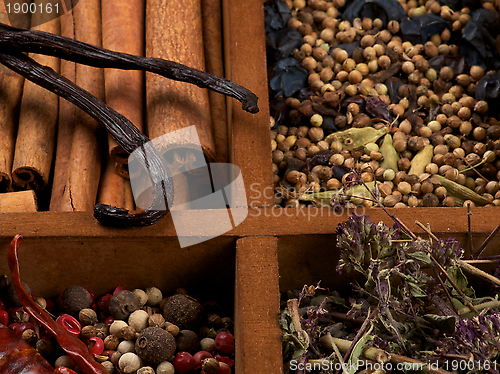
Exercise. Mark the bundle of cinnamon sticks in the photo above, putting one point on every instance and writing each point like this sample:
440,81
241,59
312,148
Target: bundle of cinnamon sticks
50,147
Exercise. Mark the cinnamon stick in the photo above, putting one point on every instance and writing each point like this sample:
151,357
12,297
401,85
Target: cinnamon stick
66,123
123,31
37,121
174,32
11,89
113,189
87,145
18,202
214,61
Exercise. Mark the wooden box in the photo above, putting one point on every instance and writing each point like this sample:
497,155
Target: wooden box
273,250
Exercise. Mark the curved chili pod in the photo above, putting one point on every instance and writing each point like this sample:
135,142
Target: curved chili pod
73,346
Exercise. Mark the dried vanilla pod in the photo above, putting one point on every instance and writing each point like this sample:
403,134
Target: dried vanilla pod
15,41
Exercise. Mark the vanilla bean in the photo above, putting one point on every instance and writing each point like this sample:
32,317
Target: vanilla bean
120,128
20,40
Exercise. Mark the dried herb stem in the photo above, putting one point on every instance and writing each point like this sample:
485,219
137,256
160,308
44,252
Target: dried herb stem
464,297
489,304
360,334
370,353
293,309
487,241
480,273
426,229
448,295
397,359
481,261
392,216
337,353
469,231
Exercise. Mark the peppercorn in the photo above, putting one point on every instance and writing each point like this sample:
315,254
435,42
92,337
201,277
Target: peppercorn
111,342
183,311
88,332
87,316
155,345
188,341
448,201
74,299
123,303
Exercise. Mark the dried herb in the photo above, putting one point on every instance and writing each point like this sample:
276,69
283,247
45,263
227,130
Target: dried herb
287,77
15,41
419,29
478,39
386,10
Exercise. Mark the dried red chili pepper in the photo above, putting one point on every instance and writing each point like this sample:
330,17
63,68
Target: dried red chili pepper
73,346
375,107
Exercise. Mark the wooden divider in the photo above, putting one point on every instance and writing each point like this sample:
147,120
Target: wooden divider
257,306
245,64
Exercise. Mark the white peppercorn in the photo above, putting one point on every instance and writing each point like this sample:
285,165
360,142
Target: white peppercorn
129,363
138,320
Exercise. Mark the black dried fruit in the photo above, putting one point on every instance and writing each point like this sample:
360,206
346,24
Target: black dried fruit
338,171
459,4
348,47
376,108
357,99
184,311
123,303
155,345
74,299
488,89
328,125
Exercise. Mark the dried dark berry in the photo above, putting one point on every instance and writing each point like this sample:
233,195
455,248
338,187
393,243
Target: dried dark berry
155,345
123,303
74,299
188,341
184,311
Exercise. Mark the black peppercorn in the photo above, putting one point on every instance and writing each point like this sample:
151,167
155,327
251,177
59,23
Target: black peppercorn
187,341
123,303
183,311
155,345
74,299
